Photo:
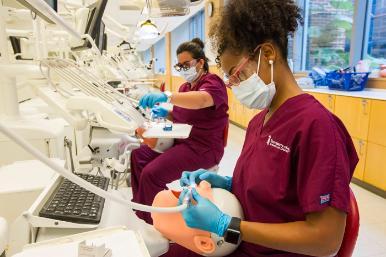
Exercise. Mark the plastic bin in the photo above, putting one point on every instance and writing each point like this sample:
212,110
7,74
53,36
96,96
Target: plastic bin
350,81
320,82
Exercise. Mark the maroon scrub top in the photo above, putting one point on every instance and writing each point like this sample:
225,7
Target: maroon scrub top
207,135
300,162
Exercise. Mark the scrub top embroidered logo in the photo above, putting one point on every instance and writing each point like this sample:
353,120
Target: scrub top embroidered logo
277,145
324,199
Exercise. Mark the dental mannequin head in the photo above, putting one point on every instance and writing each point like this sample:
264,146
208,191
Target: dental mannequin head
173,226
160,145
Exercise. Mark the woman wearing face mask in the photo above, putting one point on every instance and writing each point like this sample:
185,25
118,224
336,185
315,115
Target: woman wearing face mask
201,102
292,177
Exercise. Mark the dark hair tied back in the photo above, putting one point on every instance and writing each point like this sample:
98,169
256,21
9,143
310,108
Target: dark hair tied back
196,48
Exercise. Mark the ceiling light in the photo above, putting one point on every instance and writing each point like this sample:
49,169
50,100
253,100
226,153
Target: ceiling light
148,30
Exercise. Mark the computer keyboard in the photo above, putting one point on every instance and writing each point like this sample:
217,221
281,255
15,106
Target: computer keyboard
72,203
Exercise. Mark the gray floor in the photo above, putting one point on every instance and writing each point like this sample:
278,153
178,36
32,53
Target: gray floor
372,234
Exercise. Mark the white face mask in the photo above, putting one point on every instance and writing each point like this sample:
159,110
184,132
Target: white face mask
190,75
254,93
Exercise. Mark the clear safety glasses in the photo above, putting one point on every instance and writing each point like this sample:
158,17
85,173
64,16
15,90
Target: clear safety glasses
185,66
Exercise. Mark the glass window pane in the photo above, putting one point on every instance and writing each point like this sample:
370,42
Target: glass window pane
178,36
290,47
290,56
159,51
146,56
377,33
197,26
329,33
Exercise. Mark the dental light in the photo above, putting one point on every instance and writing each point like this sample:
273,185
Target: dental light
148,30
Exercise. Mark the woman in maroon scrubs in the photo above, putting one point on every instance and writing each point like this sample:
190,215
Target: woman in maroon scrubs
292,177
201,102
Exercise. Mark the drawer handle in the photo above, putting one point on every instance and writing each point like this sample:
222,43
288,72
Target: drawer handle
364,106
361,144
330,101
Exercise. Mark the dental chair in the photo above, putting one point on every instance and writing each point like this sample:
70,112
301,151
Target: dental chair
3,236
352,228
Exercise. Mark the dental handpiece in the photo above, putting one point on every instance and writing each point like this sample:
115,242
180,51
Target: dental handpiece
188,196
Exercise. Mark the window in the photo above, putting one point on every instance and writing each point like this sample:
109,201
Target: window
146,56
328,33
290,48
192,28
376,45
160,55
291,54
197,26
178,36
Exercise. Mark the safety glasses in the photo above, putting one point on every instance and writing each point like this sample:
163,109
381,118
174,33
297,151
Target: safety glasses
185,66
234,79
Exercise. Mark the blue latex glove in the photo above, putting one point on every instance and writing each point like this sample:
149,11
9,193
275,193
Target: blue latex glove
195,177
159,112
204,215
151,99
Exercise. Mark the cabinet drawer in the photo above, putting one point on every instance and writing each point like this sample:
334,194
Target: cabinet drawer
326,100
231,111
377,127
361,148
375,171
239,112
355,114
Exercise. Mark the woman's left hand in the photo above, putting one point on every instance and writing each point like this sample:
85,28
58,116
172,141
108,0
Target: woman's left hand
204,214
159,112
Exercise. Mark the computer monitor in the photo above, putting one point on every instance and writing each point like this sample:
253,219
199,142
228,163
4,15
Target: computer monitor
95,27
52,3
101,38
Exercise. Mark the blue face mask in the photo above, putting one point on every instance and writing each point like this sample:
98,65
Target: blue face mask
254,93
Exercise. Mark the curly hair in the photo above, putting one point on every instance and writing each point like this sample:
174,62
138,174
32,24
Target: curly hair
244,24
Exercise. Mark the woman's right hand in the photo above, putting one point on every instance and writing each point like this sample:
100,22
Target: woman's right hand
194,178
151,99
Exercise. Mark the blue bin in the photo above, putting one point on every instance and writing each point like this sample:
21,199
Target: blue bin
350,81
320,82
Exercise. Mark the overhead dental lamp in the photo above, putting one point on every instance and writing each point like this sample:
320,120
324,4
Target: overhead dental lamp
148,30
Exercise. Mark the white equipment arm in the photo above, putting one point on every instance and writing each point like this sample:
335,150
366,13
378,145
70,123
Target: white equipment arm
79,181
108,117
48,12
112,109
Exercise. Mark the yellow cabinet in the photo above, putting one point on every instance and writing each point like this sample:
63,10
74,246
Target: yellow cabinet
249,115
246,116
355,114
361,148
326,100
377,128
231,111
375,171
239,112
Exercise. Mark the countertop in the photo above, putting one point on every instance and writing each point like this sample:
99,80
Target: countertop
368,93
